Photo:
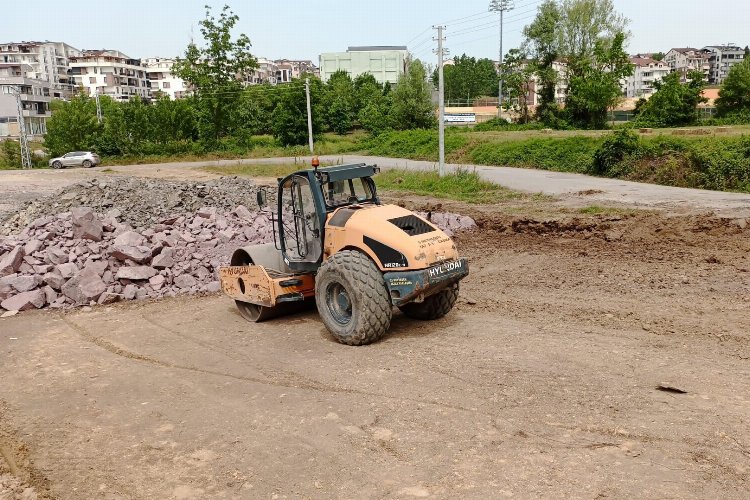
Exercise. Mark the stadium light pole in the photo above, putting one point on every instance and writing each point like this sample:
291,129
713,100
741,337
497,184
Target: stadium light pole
501,6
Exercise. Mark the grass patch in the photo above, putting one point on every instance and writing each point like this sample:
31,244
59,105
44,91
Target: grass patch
463,185
274,170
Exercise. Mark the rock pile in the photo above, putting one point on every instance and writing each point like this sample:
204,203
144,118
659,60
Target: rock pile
141,239
143,202
83,258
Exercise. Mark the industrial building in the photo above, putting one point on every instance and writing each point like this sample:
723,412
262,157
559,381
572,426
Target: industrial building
385,63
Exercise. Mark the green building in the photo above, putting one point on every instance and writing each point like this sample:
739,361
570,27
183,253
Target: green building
385,63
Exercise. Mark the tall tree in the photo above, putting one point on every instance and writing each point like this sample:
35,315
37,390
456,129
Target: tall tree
468,78
543,44
673,104
586,23
73,125
340,102
289,119
212,70
658,56
595,82
412,100
518,78
734,96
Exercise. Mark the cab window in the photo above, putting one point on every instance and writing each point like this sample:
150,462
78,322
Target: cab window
299,223
347,191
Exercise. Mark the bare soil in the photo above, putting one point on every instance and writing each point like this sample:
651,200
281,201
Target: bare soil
590,356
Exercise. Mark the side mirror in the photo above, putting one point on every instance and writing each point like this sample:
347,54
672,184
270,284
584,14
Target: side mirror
262,198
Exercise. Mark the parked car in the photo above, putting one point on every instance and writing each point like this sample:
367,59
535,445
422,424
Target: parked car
85,159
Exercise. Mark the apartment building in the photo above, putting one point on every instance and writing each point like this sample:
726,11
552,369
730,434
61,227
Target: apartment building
161,80
688,59
561,87
385,63
721,58
48,61
266,72
109,72
35,96
298,67
647,71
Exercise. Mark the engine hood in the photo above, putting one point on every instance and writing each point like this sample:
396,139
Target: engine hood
395,238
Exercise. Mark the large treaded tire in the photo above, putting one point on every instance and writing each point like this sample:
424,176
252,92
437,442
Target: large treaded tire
369,303
435,306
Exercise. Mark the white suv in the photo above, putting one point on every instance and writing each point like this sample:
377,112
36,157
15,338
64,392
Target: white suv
85,159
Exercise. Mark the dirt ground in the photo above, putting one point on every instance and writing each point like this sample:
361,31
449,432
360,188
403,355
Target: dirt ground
557,375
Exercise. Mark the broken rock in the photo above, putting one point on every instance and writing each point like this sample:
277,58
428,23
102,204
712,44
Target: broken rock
11,262
139,254
135,273
84,286
24,301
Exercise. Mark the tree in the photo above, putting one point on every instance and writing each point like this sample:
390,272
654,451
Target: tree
543,43
341,104
734,96
289,118
673,104
366,90
213,70
73,125
375,116
412,100
595,83
658,56
468,78
585,24
518,75
747,51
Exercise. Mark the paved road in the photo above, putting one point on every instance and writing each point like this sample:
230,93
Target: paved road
526,180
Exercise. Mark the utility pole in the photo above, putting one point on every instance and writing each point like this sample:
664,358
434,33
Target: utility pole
98,106
309,116
441,99
501,6
22,139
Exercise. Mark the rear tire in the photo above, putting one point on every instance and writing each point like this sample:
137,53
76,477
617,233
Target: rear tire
87,164
433,307
57,165
352,298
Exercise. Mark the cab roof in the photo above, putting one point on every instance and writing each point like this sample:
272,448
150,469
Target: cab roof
345,172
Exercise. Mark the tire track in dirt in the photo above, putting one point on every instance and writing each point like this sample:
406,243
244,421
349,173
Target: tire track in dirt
305,384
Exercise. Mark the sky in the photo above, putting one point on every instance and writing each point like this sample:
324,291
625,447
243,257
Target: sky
304,29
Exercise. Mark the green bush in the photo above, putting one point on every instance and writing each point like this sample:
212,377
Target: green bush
501,125
413,144
570,154
615,148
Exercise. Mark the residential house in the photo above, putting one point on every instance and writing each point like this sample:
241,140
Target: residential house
687,59
646,72
109,72
161,80
561,87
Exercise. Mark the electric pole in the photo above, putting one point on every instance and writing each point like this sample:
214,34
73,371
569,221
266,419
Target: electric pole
22,139
441,99
501,6
98,106
309,116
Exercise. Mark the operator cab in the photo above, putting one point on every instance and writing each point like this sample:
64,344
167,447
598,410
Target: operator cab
305,199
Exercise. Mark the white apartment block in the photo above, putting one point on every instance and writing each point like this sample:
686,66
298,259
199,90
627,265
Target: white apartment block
561,87
685,60
647,71
109,72
35,97
721,58
46,61
298,67
161,80
385,63
264,73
